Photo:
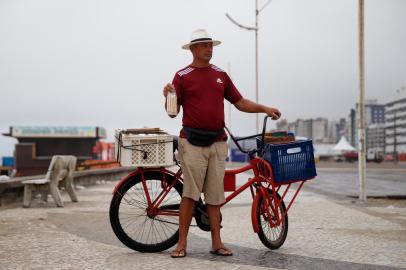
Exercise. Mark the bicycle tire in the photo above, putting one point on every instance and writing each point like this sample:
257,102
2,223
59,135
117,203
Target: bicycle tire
202,218
128,208
273,238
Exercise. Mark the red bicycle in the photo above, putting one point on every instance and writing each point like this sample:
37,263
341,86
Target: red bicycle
144,209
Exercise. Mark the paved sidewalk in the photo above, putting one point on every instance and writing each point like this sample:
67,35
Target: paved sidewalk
323,234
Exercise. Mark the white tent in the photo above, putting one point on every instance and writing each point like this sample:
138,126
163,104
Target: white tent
343,145
324,150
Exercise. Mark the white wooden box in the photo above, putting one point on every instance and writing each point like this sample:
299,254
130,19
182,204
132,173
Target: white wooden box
143,150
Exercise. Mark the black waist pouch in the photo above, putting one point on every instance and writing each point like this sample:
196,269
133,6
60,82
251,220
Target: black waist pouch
200,137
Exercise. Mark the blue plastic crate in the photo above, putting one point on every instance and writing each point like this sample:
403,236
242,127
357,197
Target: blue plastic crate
8,161
291,161
238,156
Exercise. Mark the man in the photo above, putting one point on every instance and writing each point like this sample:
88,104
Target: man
201,89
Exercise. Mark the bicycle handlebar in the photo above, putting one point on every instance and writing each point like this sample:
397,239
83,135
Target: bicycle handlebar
250,137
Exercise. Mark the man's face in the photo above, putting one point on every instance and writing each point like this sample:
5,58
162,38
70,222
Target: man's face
202,51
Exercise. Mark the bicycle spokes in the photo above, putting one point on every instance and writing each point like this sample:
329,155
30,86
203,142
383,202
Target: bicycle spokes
149,214
270,212
272,221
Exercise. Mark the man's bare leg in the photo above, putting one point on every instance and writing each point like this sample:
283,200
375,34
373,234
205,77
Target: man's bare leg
214,216
185,217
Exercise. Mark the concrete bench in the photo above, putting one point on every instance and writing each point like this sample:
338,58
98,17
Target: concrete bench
61,168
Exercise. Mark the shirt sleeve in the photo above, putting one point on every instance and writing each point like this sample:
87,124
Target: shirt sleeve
177,83
231,93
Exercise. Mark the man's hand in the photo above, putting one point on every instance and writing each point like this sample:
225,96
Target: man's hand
168,88
274,113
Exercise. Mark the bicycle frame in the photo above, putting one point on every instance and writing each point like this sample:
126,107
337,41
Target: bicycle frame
262,182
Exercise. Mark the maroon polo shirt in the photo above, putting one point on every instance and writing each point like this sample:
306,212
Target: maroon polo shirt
201,92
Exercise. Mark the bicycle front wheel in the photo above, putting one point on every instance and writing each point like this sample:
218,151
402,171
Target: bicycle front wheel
133,223
272,235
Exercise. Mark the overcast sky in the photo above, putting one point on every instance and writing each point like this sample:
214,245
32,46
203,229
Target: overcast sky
104,63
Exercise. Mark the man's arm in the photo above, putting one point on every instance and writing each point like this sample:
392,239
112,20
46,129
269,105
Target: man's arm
246,105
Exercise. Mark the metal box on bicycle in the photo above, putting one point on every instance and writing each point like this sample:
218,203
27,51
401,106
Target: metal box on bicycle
133,148
290,162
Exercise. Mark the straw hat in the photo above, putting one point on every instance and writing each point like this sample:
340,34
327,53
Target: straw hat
199,36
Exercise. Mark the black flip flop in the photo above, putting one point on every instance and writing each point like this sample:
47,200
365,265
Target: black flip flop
179,252
218,253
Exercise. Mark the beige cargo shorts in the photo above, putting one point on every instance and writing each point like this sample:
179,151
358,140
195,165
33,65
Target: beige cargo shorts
203,171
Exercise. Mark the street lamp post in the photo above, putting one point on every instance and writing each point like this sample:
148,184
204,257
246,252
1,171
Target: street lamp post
361,129
257,12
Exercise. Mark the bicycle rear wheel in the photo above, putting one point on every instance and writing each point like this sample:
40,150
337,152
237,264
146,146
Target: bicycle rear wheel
129,217
272,236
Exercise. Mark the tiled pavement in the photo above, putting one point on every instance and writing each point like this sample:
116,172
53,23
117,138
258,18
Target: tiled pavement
324,233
